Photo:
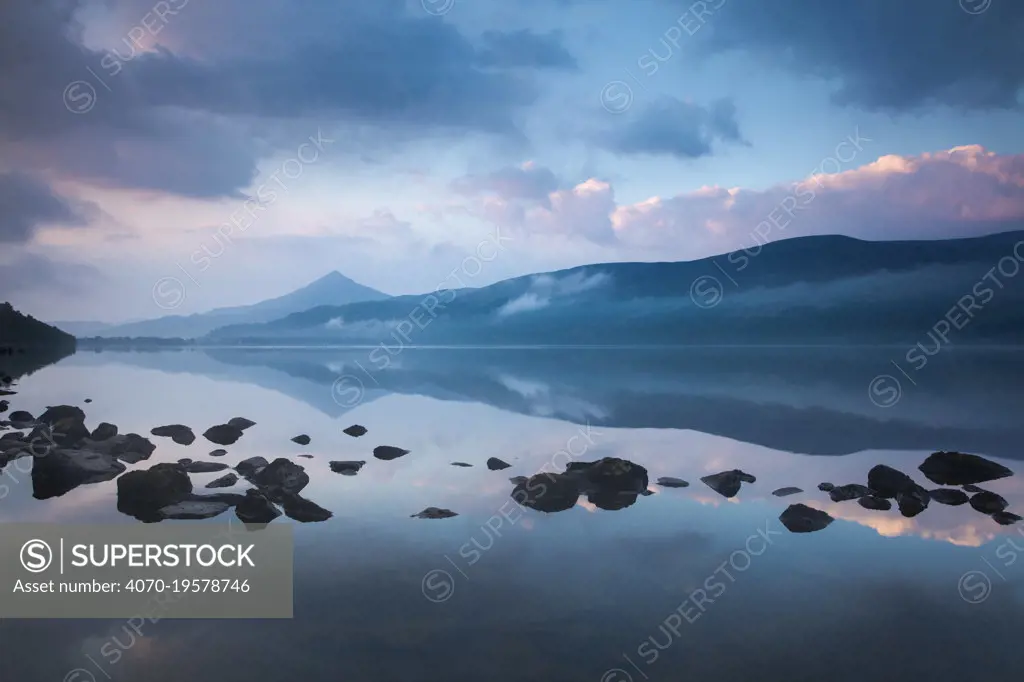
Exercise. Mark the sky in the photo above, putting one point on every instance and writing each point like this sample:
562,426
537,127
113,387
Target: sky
245,148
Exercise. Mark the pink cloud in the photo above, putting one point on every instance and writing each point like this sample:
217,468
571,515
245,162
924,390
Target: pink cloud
964,191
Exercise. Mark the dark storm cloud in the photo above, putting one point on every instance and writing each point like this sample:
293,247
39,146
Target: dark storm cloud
27,203
672,127
195,120
885,55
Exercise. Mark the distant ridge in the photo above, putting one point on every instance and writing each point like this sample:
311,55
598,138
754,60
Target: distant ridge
333,289
819,289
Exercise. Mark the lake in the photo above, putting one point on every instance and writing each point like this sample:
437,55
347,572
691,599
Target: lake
683,583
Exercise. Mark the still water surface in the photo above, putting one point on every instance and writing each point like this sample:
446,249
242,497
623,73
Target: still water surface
683,584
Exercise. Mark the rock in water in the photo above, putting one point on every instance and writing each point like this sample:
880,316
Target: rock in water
241,423
194,509
495,464
826,487
389,452
281,477
223,434
60,413
988,503
799,518
302,510
87,401
180,434
972,489
609,475
670,482
888,482
875,503
4,406
219,452
347,468
853,491
205,467
247,468
435,513
301,440
225,481
785,492
104,431
950,496
518,480
548,492
956,468
912,502
61,471
256,508
305,456
727,483
355,431
461,464
21,417
1005,518
143,493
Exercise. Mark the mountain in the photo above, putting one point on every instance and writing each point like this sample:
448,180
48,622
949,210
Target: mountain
333,289
820,289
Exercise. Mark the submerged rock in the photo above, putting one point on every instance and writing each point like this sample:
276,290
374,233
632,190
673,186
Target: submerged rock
799,518
355,431
205,467
143,493
670,482
247,468
434,513
241,423
301,439
957,468
950,496
785,492
194,509
495,464
225,481
347,468
518,480
727,483
105,431
988,503
179,433
256,508
875,503
1005,518
302,510
972,489
61,471
223,434
461,464
219,452
389,452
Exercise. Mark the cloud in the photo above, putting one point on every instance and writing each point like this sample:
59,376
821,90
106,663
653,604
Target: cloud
23,273
672,127
27,203
180,107
525,48
528,181
888,56
964,191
